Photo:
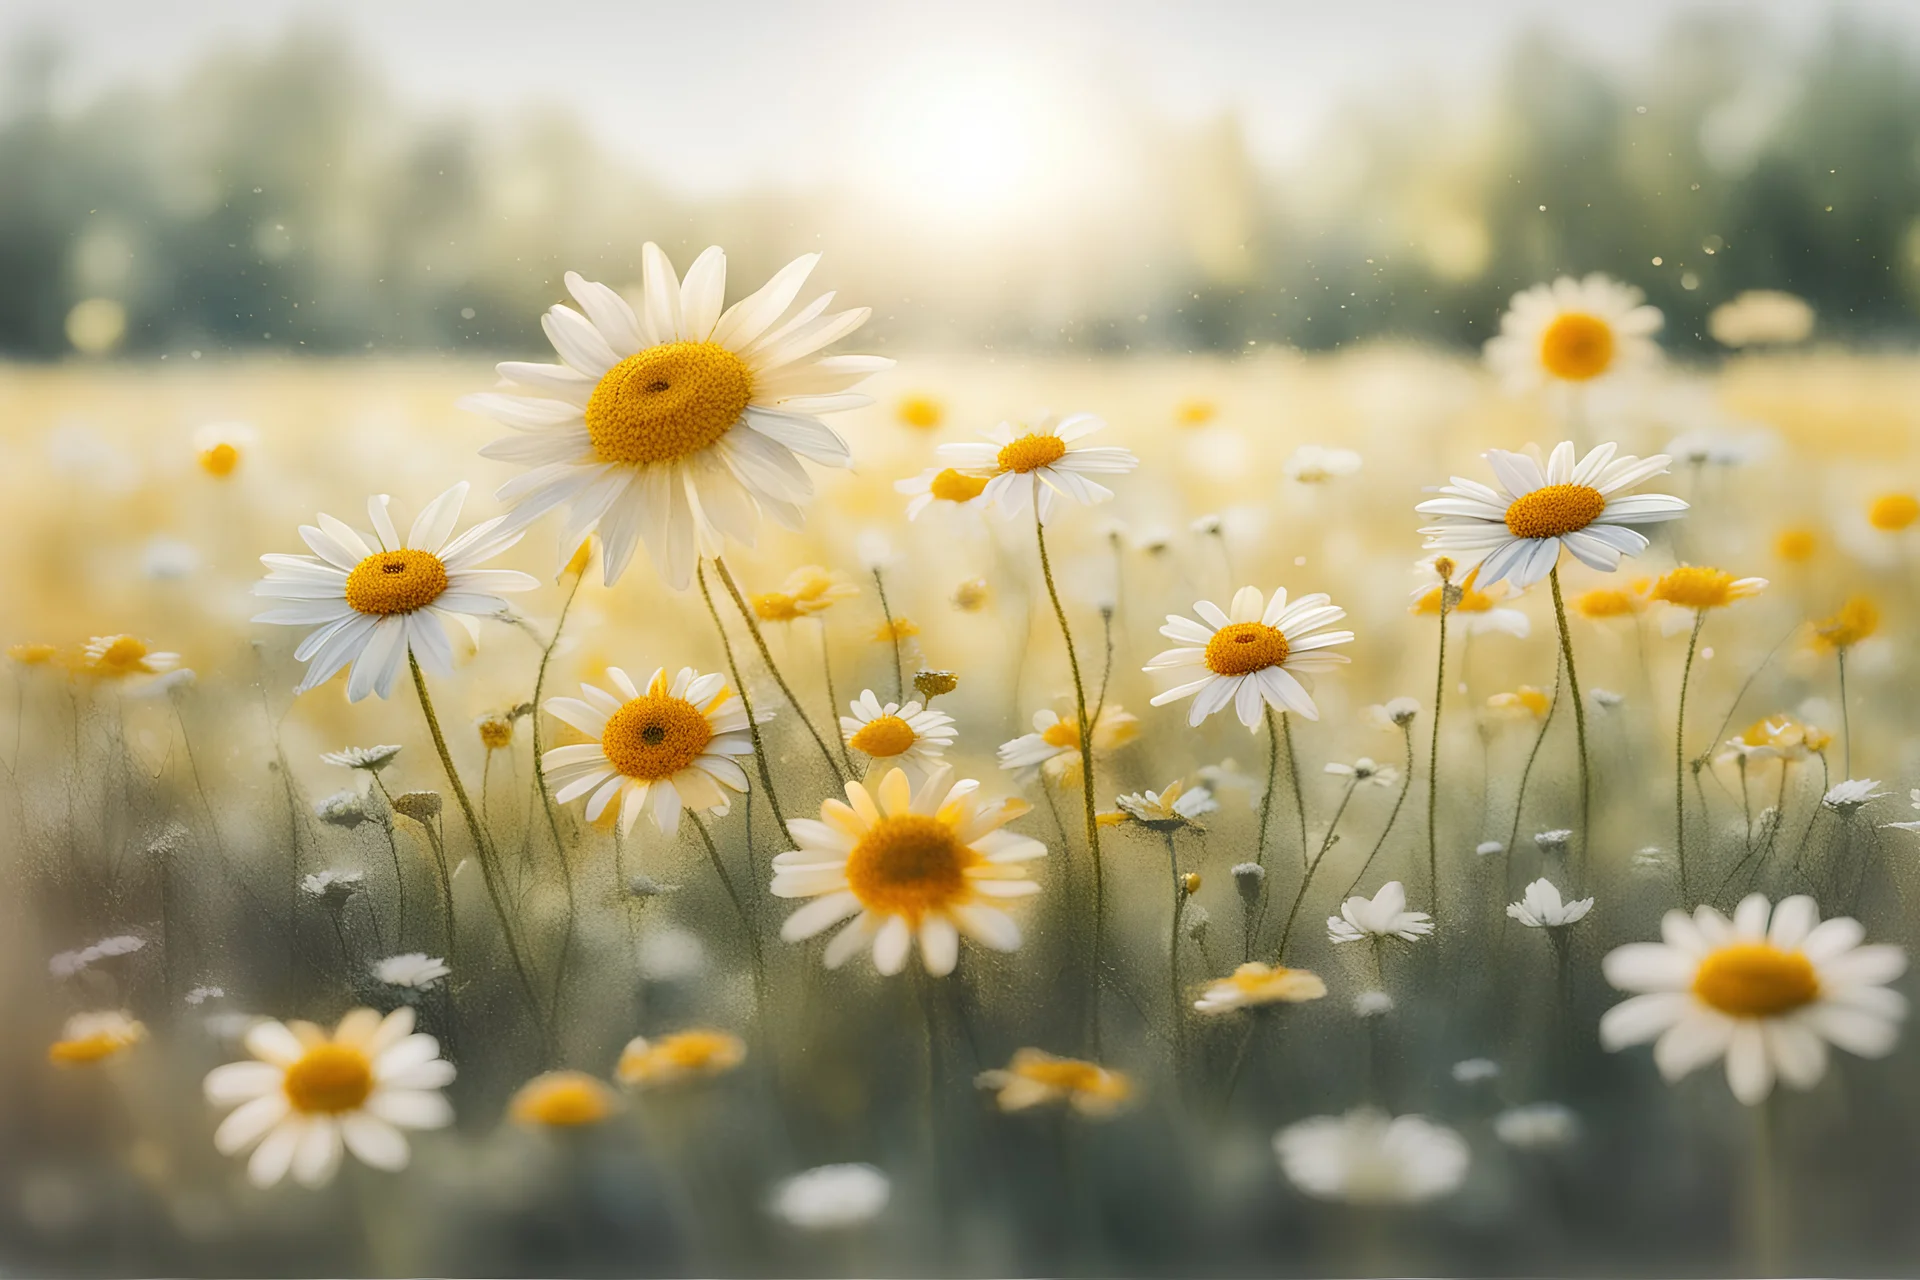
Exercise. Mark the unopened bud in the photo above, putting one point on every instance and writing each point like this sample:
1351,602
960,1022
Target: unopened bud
1190,883
1249,878
421,806
931,684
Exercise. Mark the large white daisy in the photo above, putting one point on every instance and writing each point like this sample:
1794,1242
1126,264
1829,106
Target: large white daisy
671,748
928,864
1574,333
1023,465
911,736
307,1094
1259,653
377,598
1519,528
679,424
1768,990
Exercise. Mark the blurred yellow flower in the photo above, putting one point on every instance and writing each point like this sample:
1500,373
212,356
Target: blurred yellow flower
1796,544
1858,618
972,595
681,1056
1893,512
1254,984
219,447
1615,602
921,410
1699,588
901,628
1525,700
1780,737
563,1100
808,592
1054,745
94,1037
1035,1077
1195,412
124,655
1573,331
33,655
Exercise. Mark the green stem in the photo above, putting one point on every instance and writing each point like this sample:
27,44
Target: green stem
1433,759
1526,774
1406,782
746,919
1260,845
483,848
1286,930
1680,759
893,635
1579,715
766,656
1846,718
1176,1006
746,702
833,699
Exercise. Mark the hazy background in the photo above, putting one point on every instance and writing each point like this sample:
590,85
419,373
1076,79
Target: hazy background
261,174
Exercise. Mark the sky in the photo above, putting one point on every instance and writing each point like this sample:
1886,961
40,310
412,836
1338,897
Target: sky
725,95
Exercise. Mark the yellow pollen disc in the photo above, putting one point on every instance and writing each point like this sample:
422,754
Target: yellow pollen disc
1694,587
496,732
908,865
94,1048
667,402
1245,647
563,1099
921,411
776,606
220,460
1796,545
1071,1075
655,737
1061,733
125,651
695,1050
951,486
1756,980
328,1079
1577,346
396,582
884,736
1893,512
1030,453
1555,510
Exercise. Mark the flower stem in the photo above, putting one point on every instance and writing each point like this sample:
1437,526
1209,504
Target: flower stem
1086,758
1846,719
483,848
893,634
1579,714
1526,773
1286,930
1260,845
746,702
746,919
1433,760
546,793
1176,1006
833,699
1406,782
766,656
1680,759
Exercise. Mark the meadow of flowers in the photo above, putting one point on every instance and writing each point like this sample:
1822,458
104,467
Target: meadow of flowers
728,804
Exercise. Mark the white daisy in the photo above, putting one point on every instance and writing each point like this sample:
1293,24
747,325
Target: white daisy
1253,656
370,759
1384,915
309,1093
374,601
680,424
1768,990
1845,797
1573,333
911,736
1024,465
930,864
1542,908
1365,771
415,969
943,485
1369,1157
1520,528
1053,748
673,747
125,656
1168,809
1537,1126
832,1197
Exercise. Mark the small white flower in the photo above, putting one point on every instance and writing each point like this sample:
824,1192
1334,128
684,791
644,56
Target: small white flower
1384,915
68,963
1845,797
1486,848
1365,771
200,995
323,884
1372,1004
1541,907
911,736
1167,810
831,1197
1536,1127
1368,1157
371,759
1040,464
1554,841
341,809
415,969
1399,713
1474,1070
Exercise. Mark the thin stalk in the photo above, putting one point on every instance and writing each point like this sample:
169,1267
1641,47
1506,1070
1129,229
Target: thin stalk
1286,930
1086,751
746,702
773,668
833,699
1406,782
1433,760
893,635
1579,715
1680,757
746,919
1106,667
1175,1006
483,848
1526,774
1299,809
1846,719
1266,814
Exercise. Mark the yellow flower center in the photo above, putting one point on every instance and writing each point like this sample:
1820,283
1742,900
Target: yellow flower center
921,411
1245,647
94,1048
698,1050
776,606
1796,545
1030,453
1695,587
907,865
1194,413
1857,620
1577,346
883,736
396,582
329,1079
655,737
563,1099
1756,980
1068,1074
1605,602
32,655
1893,512
123,653
496,732
899,629
1554,510
667,402
951,486
220,460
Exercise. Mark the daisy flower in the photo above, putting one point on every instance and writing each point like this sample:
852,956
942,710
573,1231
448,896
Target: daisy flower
1844,797
95,1037
1768,990
1697,588
1035,1077
1573,333
1541,907
1039,464
930,864
375,600
1476,610
368,759
1168,810
679,424
1053,748
1780,737
910,736
684,1055
1253,656
1365,771
1858,619
1601,603
117,657
1521,527
832,1197
415,969
945,485
1384,915
1255,984
1369,1157
308,1093
219,447
563,1100
808,592
673,747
